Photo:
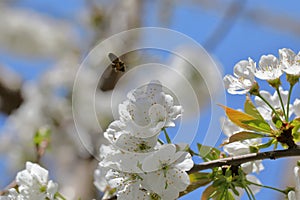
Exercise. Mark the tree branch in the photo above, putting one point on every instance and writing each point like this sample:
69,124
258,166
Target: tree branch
237,160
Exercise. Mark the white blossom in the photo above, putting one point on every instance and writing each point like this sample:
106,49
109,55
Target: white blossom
125,141
295,195
290,61
269,68
296,107
274,100
128,185
33,184
243,78
241,147
31,33
166,171
148,110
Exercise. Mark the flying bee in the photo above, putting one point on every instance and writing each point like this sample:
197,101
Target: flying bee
117,64
112,73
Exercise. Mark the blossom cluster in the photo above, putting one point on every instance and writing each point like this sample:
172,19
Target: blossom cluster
270,116
270,68
137,164
32,184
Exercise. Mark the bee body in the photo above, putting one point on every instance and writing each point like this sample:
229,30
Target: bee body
117,64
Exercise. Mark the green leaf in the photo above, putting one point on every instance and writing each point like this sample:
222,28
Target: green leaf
197,180
295,130
295,122
245,135
258,125
208,153
278,123
251,109
219,182
208,192
266,145
41,135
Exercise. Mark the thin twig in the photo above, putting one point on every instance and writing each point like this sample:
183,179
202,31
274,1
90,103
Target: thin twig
11,185
225,25
237,160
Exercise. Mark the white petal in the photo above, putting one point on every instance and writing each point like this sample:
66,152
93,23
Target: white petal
40,173
133,191
164,156
292,195
133,144
51,189
255,189
297,107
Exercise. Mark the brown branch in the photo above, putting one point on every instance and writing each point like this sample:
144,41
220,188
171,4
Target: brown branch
225,25
237,160
10,99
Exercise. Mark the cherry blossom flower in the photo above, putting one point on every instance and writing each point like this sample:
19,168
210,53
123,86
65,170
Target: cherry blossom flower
243,78
123,140
166,172
146,112
274,100
295,195
269,68
296,107
54,37
241,147
33,184
99,174
128,185
290,61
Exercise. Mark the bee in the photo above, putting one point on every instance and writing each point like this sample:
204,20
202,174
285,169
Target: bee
112,73
117,64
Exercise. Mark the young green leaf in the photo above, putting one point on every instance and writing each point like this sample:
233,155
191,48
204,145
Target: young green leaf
258,125
250,109
208,153
267,144
43,134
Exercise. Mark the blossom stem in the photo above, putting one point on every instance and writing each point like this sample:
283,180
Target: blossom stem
248,194
160,141
282,105
250,191
289,99
272,108
265,186
167,136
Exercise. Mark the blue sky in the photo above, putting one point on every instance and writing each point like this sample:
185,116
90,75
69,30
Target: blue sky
245,39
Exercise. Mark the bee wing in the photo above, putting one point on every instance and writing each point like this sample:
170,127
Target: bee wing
112,57
108,79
